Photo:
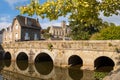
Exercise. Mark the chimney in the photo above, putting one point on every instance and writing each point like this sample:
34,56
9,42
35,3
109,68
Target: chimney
25,20
63,24
37,20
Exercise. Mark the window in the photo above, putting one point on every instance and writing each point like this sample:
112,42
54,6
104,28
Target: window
35,37
16,36
10,36
27,36
16,26
6,36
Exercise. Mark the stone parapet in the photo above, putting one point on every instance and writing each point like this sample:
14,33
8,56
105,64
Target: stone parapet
101,45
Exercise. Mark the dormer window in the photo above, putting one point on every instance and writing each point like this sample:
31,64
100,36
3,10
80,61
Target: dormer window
29,22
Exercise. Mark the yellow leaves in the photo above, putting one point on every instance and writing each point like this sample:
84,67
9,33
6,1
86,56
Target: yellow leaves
54,8
32,9
82,3
86,4
47,4
52,3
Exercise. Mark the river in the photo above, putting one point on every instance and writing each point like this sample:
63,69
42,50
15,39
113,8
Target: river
22,70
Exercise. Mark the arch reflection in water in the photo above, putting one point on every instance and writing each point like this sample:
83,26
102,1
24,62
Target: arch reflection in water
104,64
75,72
22,61
7,63
7,59
1,65
1,55
43,63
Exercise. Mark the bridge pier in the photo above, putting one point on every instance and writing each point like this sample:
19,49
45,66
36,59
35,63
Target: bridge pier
30,58
31,69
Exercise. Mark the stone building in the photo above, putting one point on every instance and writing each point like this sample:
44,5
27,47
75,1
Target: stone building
22,29
1,35
60,32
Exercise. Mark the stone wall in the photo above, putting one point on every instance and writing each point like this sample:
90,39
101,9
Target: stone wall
77,45
61,51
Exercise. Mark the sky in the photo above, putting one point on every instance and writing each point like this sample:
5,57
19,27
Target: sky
8,12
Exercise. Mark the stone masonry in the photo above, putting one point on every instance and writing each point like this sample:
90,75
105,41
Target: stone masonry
61,51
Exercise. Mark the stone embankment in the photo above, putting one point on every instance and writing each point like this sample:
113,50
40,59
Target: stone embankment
114,75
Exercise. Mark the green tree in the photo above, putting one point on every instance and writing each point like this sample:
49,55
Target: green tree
62,7
109,33
45,33
84,14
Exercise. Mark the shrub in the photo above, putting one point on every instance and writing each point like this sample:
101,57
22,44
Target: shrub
109,33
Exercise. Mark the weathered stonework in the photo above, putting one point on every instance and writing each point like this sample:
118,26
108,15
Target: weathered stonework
61,51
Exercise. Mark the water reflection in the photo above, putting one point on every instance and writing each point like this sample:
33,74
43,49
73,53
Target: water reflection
22,65
105,69
102,72
46,71
7,63
75,72
1,65
44,68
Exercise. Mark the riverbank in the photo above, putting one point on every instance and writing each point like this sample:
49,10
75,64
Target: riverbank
114,75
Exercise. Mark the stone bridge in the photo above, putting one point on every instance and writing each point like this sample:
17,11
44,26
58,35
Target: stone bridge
91,54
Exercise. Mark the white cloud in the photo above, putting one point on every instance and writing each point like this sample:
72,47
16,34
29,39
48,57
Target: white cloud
51,23
45,22
45,25
4,18
5,21
113,19
13,2
4,25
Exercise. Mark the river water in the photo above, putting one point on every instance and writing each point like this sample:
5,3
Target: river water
21,70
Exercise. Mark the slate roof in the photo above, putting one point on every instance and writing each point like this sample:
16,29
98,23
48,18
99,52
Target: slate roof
33,22
57,27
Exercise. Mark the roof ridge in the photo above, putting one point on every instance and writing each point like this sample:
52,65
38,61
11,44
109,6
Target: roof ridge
31,22
26,17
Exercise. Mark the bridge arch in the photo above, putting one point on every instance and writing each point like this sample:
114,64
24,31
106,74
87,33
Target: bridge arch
21,51
103,61
22,56
7,59
7,56
44,61
75,60
22,61
47,52
43,56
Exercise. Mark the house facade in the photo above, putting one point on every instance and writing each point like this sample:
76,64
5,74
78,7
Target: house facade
1,35
60,32
22,29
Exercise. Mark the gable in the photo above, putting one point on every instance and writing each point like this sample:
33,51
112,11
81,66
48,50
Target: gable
16,24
